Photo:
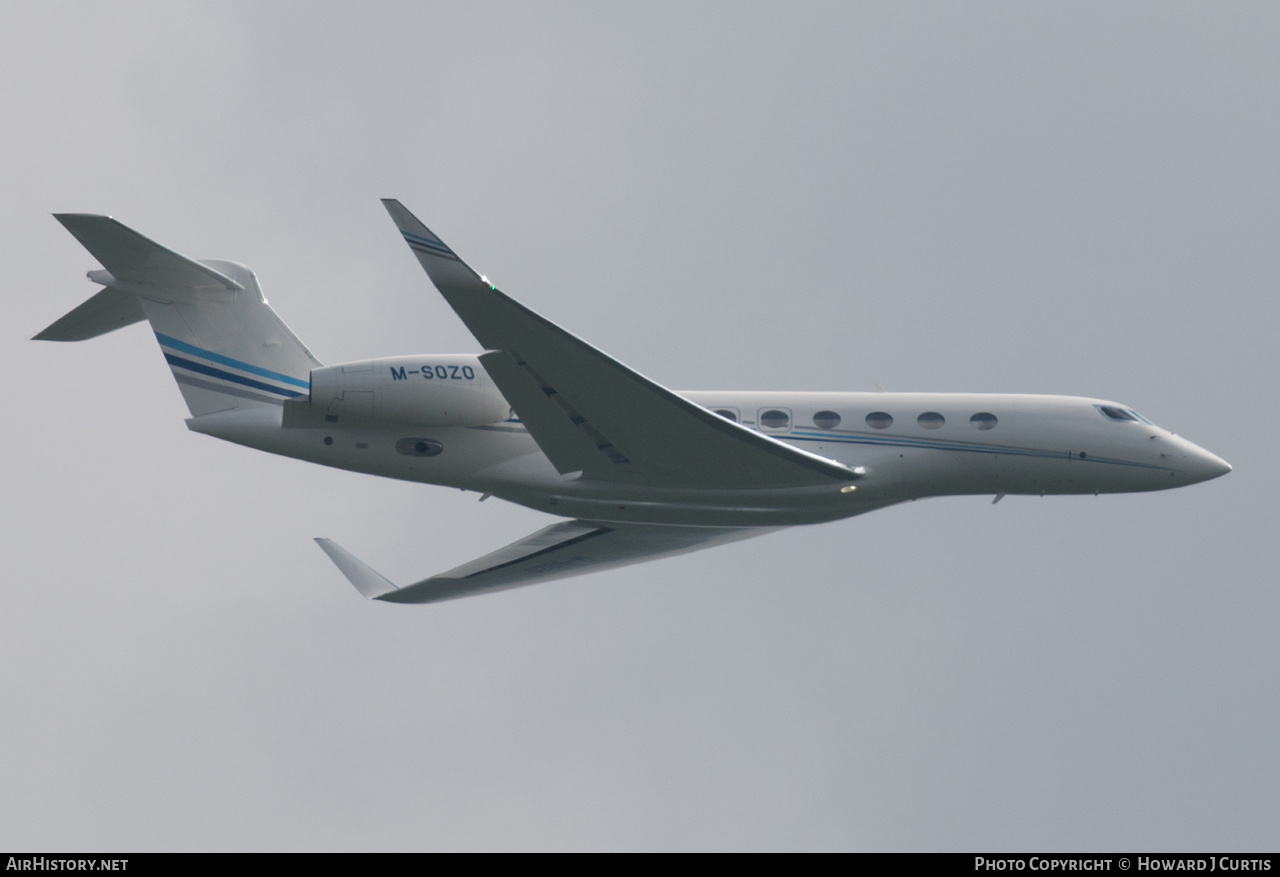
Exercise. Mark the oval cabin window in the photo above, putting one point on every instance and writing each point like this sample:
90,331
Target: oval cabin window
983,420
826,420
931,420
879,420
775,419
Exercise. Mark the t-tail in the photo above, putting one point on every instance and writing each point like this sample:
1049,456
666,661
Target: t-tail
226,347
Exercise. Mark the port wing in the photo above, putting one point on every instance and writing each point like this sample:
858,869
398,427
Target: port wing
559,551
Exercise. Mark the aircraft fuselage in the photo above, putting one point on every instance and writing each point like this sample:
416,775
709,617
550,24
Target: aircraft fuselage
910,446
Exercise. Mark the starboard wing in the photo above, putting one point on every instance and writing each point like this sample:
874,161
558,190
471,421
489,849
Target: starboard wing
569,548
590,413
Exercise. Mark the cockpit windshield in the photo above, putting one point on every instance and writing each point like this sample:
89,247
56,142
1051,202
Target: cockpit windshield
1115,412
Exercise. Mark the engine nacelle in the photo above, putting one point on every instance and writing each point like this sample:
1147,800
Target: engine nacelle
432,390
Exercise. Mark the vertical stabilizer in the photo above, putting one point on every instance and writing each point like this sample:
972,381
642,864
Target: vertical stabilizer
224,344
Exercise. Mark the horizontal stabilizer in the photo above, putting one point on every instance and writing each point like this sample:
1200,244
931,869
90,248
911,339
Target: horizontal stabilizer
107,311
559,551
134,258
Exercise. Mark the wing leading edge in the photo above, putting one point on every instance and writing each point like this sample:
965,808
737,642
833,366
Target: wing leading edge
590,413
569,548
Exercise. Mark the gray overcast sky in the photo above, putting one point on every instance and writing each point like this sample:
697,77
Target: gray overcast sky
1060,198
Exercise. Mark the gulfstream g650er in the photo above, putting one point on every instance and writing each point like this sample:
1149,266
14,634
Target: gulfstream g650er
543,419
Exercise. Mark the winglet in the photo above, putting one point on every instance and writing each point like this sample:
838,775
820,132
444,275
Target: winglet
441,263
366,580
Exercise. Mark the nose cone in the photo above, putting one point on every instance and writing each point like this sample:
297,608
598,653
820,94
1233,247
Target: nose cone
1200,465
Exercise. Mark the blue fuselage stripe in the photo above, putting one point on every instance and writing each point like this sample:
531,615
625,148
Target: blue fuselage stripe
191,349
939,445
201,368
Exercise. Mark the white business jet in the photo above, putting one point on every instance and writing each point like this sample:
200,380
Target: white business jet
543,419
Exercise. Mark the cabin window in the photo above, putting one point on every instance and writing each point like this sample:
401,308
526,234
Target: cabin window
983,420
728,413
775,418
879,420
931,420
826,420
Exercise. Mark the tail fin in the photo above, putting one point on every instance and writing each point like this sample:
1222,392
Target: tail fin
224,344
